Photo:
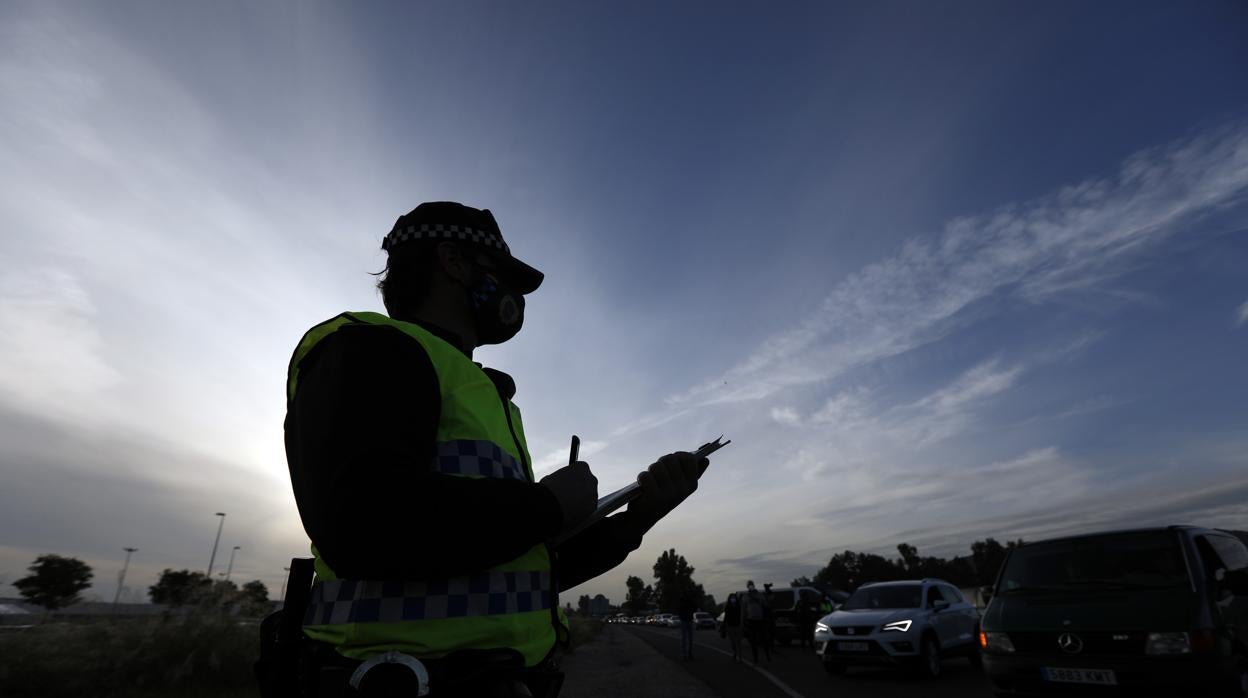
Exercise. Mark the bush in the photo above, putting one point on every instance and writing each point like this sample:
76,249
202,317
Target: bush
201,654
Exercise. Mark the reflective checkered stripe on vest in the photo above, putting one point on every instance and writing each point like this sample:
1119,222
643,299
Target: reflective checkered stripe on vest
507,606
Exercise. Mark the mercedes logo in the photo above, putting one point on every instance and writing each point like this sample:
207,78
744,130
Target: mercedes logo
1070,643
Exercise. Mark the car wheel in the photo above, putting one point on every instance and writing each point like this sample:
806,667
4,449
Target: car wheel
834,668
929,659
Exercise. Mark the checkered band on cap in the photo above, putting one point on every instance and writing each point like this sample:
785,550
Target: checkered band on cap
477,458
481,594
440,231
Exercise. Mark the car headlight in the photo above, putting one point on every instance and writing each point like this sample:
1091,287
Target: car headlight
1168,643
821,628
899,626
995,642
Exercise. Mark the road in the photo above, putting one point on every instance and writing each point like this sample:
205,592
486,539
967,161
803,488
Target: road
797,673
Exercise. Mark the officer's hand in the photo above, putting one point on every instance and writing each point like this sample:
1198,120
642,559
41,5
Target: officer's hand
577,491
666,483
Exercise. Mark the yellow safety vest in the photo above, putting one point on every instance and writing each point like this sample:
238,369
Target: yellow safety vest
512,605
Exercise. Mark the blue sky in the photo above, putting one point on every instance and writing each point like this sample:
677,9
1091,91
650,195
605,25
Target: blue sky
940,271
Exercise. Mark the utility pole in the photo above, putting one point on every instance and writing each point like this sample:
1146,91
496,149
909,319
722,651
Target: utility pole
230,568
121,578
214,544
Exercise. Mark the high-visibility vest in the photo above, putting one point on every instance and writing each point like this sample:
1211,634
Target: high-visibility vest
512,605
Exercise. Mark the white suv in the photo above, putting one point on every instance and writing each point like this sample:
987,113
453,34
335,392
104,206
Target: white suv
912,622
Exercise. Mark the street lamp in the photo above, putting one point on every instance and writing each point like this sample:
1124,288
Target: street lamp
230,568
214,544
121,578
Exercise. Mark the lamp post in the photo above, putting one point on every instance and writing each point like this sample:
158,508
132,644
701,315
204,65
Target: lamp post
121,578
229,569
214,544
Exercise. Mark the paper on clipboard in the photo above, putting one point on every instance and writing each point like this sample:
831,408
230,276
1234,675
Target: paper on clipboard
612,502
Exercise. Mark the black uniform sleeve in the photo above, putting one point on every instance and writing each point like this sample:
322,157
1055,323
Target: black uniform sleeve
597,549
360,443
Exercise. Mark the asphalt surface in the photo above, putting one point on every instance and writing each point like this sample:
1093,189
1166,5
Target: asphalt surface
798,673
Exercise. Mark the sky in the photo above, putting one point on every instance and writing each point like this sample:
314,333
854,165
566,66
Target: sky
941,271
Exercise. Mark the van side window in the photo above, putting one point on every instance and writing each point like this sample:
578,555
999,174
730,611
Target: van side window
1209,557
1230,551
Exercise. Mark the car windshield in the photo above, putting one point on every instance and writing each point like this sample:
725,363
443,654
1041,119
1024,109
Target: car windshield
1149,559
890,596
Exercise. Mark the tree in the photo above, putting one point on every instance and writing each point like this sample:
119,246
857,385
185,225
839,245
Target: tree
674,580
181,587
582,605
638,597
849,570
54,581
709,604
254,598
988,555
910,558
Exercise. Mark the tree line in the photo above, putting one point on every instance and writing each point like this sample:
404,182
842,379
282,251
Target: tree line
846,571
849,570
56,582
673,581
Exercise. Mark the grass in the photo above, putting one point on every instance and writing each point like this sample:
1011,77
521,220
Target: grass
205,655
583,630
200,655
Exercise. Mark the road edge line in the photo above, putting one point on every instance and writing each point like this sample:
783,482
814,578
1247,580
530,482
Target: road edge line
766,674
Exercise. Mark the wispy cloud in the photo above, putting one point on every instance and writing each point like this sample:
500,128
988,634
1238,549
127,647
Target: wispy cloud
1241,315
849,431
557,459
982,381
786,416
1080,235
1219,503
51,344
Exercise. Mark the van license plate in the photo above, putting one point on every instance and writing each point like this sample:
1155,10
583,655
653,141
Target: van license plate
1102,677
851,646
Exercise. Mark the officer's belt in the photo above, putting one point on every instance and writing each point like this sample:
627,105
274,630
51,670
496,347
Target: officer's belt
464,672
480,594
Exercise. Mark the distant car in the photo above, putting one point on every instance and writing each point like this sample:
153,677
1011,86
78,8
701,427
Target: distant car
703,620
1161,610
911,623
669,620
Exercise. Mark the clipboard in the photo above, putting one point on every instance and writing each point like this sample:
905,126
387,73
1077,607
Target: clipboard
612,502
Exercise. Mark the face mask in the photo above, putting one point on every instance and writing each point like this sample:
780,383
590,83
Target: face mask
498,312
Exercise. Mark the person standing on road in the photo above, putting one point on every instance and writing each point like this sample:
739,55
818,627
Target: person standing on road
732,625
410,468
805,623
755,621
688,605
769,614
